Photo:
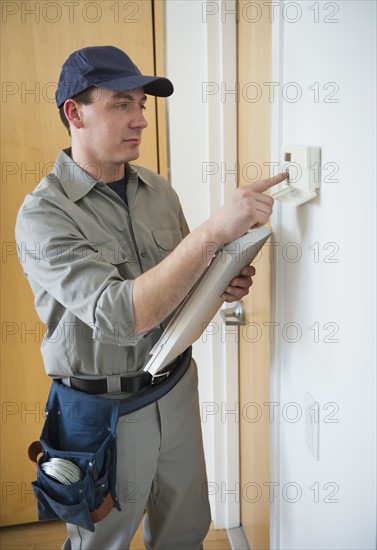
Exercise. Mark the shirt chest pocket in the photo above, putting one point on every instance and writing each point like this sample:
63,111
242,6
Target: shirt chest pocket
122,256
166,240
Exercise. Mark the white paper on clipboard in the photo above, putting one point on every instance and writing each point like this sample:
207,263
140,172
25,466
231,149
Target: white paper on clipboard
200,306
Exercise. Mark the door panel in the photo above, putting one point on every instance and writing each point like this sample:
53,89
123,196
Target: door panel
37,37
254,69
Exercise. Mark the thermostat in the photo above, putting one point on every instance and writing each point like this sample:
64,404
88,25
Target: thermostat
303,164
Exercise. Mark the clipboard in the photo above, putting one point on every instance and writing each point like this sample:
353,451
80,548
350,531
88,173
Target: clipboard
197,310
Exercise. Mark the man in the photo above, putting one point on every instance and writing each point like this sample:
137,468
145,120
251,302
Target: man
109,257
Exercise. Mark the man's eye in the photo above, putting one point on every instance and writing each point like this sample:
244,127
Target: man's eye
124,106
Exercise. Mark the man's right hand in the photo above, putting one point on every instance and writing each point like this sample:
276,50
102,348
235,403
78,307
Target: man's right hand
248,207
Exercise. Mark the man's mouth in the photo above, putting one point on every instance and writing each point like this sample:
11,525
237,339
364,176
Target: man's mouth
136,141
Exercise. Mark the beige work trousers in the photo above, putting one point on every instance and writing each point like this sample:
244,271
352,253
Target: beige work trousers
160,470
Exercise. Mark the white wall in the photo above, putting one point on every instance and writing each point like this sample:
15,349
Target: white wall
339,375
314,290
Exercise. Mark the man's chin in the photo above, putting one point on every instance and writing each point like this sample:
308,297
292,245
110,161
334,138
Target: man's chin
131,155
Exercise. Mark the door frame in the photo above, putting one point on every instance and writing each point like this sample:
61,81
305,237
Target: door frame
222,124
209,58
276,276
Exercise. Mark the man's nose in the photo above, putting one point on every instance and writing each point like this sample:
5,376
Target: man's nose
138,120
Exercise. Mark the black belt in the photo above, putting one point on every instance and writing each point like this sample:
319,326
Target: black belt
130,382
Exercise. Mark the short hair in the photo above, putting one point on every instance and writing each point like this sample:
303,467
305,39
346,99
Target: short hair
84,98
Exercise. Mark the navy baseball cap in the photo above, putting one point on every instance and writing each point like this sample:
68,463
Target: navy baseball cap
105,67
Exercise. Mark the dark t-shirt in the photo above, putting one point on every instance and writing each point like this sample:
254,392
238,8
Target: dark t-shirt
120,188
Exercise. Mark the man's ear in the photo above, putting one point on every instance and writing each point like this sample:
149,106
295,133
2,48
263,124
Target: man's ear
73,113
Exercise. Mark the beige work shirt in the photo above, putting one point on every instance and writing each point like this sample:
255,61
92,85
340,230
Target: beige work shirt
81,247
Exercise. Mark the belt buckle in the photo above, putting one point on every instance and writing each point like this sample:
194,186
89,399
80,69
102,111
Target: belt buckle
159,376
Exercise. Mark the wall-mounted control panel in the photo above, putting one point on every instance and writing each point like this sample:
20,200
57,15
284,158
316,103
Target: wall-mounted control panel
304,166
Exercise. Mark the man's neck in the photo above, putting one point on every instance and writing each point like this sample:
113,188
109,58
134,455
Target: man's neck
106,172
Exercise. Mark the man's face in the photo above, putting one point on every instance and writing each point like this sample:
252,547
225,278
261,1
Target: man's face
112,125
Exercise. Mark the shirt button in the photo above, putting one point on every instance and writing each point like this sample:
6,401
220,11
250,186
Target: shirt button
143,254
123,255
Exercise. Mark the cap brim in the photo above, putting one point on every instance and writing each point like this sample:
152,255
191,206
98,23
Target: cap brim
153,85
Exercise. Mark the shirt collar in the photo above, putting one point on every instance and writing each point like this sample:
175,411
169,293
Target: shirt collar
76,182
144,175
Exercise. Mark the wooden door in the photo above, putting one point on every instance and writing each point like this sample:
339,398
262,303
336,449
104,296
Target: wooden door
254,70
37,37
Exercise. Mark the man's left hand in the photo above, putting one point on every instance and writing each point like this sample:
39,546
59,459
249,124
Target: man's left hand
240,285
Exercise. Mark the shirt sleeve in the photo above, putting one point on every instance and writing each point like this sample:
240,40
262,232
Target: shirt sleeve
183,223
81,276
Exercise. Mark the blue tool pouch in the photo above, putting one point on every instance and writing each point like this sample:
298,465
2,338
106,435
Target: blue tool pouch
80,428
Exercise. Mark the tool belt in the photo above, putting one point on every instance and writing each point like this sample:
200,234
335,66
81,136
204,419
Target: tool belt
81,428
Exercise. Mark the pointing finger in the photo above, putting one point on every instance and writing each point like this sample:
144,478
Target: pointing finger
263,185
